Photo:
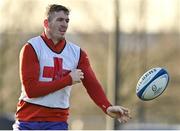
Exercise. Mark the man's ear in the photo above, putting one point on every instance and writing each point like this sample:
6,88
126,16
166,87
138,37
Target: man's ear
46,23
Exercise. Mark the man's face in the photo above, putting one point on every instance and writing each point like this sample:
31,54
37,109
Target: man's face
58,25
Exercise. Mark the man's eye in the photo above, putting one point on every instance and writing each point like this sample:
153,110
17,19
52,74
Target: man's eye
67,21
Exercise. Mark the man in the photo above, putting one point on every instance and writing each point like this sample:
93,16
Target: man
49,65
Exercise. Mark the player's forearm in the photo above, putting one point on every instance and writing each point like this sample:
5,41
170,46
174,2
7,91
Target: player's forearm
95,90
91,84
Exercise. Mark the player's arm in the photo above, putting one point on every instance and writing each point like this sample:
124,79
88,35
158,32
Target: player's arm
91,83
96,92
29,75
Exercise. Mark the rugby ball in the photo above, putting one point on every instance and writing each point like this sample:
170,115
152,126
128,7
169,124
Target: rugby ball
152,83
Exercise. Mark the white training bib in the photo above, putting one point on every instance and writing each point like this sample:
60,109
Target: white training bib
56,64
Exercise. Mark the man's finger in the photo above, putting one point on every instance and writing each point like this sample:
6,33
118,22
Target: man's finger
119,120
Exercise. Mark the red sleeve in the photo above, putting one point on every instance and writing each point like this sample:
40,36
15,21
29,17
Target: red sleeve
29,75
91,83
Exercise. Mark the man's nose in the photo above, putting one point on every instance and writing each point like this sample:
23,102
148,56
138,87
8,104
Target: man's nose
64,23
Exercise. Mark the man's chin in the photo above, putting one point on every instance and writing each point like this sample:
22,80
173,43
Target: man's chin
60,36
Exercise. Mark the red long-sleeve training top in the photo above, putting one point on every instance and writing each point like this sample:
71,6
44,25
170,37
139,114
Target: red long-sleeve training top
29,76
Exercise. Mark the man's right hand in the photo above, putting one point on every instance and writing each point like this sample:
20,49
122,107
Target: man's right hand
76,76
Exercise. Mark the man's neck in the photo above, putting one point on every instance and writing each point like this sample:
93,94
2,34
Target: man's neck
55,41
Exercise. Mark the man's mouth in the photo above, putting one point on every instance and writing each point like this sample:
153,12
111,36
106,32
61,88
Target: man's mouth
62,31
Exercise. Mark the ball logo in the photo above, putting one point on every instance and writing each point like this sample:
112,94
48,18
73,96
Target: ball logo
156,90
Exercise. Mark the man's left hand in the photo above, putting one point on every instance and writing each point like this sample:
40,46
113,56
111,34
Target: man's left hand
119,112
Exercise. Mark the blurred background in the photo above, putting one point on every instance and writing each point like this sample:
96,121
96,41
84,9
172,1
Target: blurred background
123,39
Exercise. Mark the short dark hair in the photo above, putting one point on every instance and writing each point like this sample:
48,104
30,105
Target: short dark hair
51,9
